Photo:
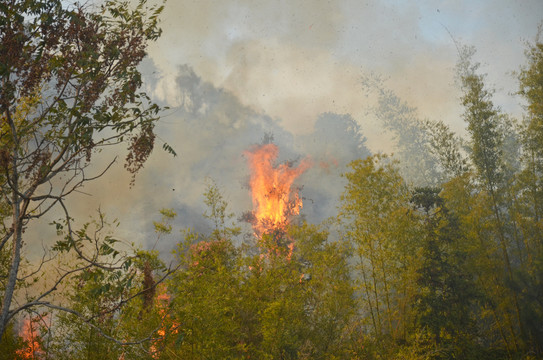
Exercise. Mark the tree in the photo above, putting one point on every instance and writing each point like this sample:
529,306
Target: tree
413,140
531,78
297,297
68,88
105,305
446,293
11,345
375,217
287,298
487,128
205,295
325,283
446,146
531,192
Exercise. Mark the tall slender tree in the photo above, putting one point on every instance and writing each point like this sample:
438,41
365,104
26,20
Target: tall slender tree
375,219
486,128
446,292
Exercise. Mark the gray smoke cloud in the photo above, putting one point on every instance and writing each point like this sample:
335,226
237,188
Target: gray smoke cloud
294,60
210,129
234,71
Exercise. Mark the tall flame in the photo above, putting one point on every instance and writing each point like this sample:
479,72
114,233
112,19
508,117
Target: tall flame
30,335
274,201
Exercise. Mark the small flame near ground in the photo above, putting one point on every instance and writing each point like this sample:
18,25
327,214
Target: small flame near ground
275,200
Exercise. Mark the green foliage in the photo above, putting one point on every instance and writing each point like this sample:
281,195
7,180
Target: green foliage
446,291
217,213
288,297
447,148
530,189
204,299
495,156
107,303
11,345
164,227
69,86
375,218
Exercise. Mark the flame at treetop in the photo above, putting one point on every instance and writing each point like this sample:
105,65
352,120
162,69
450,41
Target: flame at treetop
274,201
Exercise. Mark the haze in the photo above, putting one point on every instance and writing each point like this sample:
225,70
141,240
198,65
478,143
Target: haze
233,71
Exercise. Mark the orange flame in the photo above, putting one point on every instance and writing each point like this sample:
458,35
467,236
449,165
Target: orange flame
162,301
30,335
273,200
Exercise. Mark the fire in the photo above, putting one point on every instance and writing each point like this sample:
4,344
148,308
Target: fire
274,201
30,335
162,302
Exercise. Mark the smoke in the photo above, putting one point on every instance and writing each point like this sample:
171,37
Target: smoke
210,129
295,60
335,142
233,72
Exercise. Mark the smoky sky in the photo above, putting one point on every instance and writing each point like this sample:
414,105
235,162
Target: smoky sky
209,129
234,72
294,60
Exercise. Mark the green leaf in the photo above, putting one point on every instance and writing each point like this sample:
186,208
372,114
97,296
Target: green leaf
169,149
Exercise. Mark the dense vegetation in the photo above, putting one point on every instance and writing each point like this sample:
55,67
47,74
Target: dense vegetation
444,263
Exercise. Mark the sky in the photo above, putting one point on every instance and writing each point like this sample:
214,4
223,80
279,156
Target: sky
233,71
